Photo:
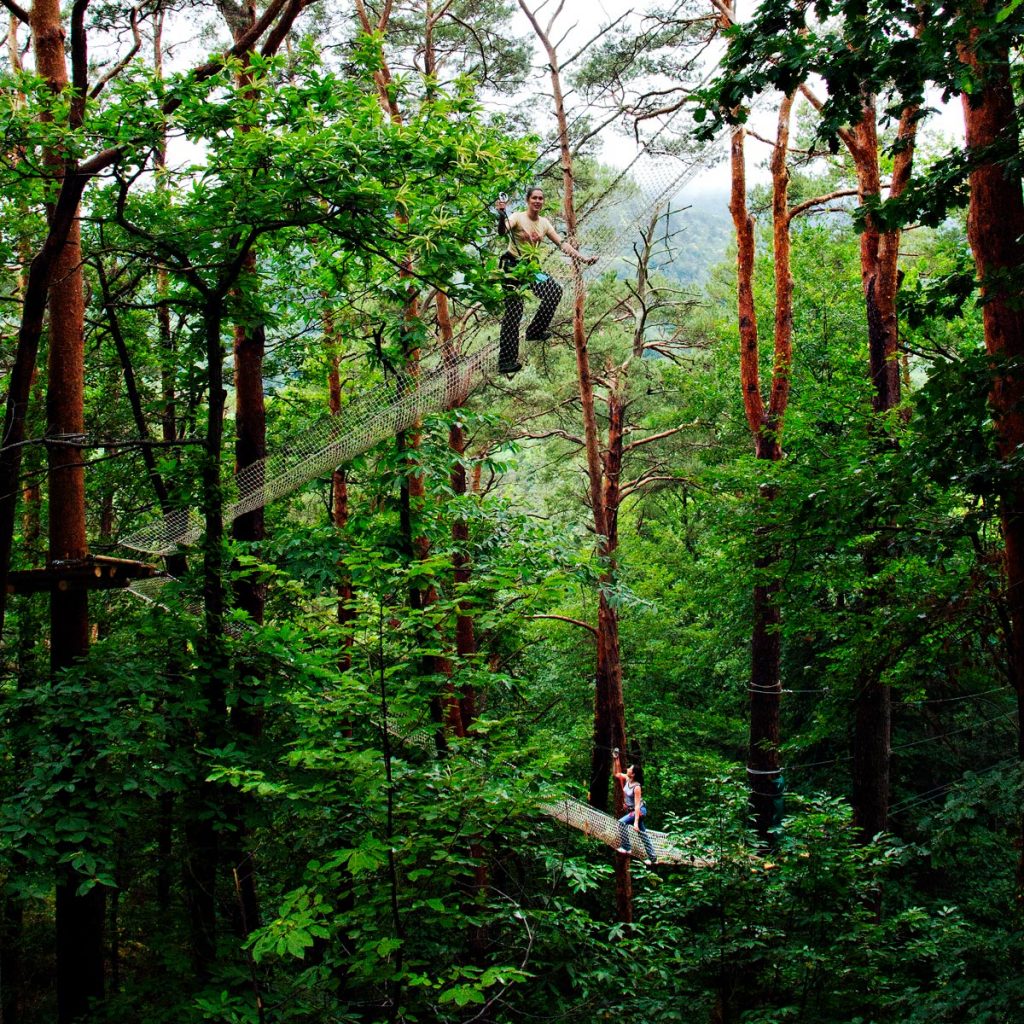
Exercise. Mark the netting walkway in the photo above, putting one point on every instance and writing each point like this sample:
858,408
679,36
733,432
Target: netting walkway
442,382
598,825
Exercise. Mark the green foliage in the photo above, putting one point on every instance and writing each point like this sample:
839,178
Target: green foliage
404,878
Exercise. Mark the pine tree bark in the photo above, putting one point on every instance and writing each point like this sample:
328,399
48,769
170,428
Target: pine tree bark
995,230
79,918
879,252
765,421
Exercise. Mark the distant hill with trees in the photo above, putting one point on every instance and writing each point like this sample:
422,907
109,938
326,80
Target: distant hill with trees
701,232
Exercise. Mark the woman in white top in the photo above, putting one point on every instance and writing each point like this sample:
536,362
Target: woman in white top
636,809
526,230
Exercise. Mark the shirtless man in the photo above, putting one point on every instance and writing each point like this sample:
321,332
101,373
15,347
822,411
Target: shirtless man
526,230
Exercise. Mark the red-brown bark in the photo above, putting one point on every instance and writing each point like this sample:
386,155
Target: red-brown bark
766,424
995,230
879,256
609,709
79,918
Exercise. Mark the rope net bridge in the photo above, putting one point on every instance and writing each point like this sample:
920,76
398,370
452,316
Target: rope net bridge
591,822
598,825
444,380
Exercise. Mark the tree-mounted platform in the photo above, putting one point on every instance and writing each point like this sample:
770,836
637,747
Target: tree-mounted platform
93,572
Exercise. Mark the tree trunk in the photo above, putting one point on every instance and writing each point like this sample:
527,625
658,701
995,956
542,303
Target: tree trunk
995,229
609,708
339,497
203,855
877,277
79,918
879,253
249,347
765,423
465,633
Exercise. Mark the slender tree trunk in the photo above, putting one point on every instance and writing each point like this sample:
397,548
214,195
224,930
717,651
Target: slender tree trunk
249,347
876,279
995,229
465,633
26,647
203,854
609,708
339,496
249,590
765,423
79,918
879,277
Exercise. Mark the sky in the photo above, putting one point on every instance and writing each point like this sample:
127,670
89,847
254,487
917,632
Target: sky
577,23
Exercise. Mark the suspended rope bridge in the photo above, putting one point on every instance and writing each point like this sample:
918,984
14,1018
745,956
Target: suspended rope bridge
441,383
586,819
598,825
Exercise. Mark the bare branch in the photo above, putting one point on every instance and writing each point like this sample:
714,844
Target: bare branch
808,204
125,60
364,16
543,434
385,16
572,622
440,13
18,12
656,437
284,26
604,30
645,479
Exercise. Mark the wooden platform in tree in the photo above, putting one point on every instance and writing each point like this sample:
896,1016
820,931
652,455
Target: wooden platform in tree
94,572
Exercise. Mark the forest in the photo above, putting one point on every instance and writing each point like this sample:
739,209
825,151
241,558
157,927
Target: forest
436,429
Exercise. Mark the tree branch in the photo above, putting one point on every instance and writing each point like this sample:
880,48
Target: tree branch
728,16
633,445
807,204
79,64
629,489
18,12
100,161
125,60
849,140
563,434
284,26
572,622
